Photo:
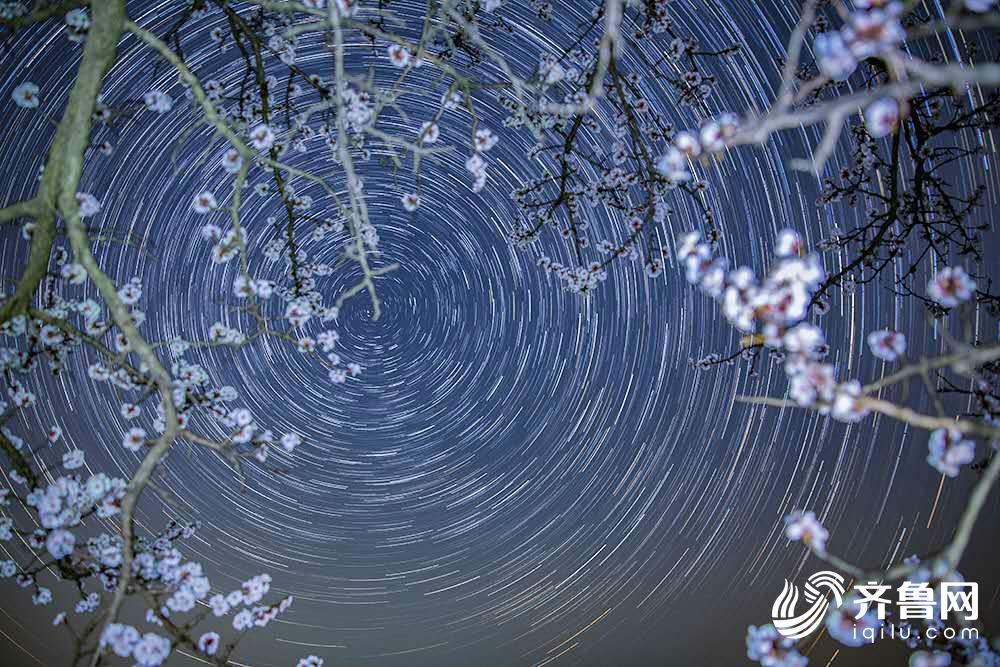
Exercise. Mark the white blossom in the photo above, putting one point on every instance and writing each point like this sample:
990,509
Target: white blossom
950,287
60,543
232,161
134,439
398,55
803,526
121,638
887,345
204,202
948,450
151,650
158,101
88,204
262,137
429,132
849,622
26,95
208,643
882,116
411,201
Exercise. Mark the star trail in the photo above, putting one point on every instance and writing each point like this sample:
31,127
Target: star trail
519,475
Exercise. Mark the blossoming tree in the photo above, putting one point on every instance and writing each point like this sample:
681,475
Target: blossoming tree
902,145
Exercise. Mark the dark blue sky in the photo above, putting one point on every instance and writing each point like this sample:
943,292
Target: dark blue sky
519,476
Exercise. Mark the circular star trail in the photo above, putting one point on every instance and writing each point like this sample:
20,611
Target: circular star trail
519,475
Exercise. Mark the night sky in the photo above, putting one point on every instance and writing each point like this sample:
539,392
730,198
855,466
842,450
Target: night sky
520,476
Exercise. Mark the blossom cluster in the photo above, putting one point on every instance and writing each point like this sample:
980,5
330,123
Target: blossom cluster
873,29
686,146
484,140
774,307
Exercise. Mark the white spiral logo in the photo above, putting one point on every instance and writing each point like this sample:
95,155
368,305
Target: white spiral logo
783,610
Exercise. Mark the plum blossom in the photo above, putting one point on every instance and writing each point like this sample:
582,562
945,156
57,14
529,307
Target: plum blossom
235,598
60,543
803,526
887,345
927,659
804,339
263,288
26,96
221,334
204,202
213,87
451,101
882,117
477,167
242,620
327,340
211,232
951,286
771,649
77,24
848,622
219,605
399,55
290,441
688,144
151,650
21,397
181,601
88,204
243,287
673,165
298,312
833,56
788,243
232,161
429,132
848,405
874,31
74,273
208,643
262,137
130,293
948,451
158,101
777,305
485,140
810,381
121,638
411,201
73,459
134,439
710,137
